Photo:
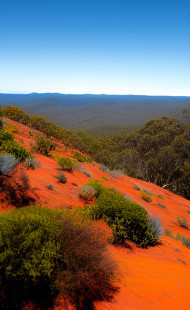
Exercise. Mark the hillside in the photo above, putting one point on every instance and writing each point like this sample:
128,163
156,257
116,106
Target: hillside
153,278
89,112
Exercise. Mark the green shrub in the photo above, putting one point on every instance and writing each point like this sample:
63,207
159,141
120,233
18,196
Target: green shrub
161,197
66,163
6,136
182,222
49,186
7,163
128,220
44,146
11,147
147,192
61,177
29,255
82,158
45,252
105,178
87,192
97,185
146,197
32,163
16,114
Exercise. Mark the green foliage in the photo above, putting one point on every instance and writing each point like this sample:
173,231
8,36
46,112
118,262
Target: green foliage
182,222
161,197
179,237
128,220
87,192
66,163
46,252
159,152
11,147
32,163
97,185
61,177
147,192
105,178
82,158
29,253
146,197
16,114
49,186
44,146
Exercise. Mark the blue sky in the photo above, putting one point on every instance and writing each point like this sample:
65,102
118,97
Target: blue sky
95,46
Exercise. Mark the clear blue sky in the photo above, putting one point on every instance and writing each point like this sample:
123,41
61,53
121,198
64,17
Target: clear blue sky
95,46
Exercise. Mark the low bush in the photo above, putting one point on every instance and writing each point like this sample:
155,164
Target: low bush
87,192
66,163
97,185
128,220
86,173
147,192
44,146
161,197
182,222
46,252
90,273
179,237
146,197
137,187
32,163
11,147
29,247
7,163
162,206
61,177
82,158
49,186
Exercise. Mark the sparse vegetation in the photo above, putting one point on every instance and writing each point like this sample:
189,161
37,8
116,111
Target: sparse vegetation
7,163
137,187
49,186
87,192
146,197
44,146
61,177
182,222
179,237
162,206
161,197
32,163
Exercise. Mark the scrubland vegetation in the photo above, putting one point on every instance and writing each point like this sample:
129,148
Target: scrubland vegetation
157,153
47,253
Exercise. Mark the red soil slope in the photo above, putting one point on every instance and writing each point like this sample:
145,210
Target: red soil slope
154,278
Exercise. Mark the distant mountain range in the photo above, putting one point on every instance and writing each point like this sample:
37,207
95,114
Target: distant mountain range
98,113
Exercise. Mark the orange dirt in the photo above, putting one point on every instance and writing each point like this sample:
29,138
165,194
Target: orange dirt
153,278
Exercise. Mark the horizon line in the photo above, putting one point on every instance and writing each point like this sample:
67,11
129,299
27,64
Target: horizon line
87,94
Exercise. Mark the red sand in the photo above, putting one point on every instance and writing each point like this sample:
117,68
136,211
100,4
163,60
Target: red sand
154,278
